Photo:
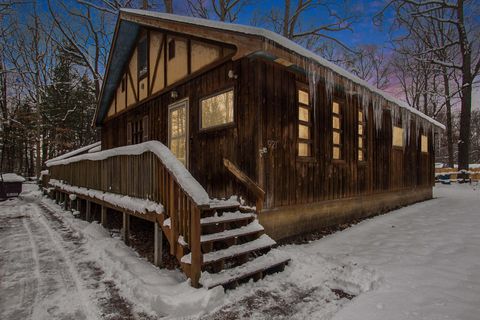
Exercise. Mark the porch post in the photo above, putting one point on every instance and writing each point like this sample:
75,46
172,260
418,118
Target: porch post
158,245
126,227
103,216
88,210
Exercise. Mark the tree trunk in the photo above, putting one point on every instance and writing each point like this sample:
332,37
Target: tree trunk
286,19
466,111
168,6
448,105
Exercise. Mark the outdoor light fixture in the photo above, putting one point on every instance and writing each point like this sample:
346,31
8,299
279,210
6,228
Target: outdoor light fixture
174,94
232,74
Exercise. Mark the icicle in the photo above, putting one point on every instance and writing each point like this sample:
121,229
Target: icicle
313,78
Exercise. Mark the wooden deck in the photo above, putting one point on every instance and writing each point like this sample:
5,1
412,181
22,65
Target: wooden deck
196,230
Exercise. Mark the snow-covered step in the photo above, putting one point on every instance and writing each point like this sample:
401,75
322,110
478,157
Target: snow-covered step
252,228
263,242
226,217
275,258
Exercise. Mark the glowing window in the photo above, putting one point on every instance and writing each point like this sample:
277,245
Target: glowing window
424,143
361,135
217,110
305,140
337,132
397,137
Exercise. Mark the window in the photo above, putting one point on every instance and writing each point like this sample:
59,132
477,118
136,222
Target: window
217,110
424,143
124,83
171,49
137,131
397,137
305,139
178,128
142,57
361,135
337,132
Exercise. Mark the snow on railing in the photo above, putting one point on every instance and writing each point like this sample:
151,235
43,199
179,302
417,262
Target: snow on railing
184,178
118,200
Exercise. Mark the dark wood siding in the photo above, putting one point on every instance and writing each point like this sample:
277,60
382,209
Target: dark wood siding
266,115
236,142
290,180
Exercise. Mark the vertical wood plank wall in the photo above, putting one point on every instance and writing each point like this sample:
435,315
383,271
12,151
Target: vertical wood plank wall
235,142
266,116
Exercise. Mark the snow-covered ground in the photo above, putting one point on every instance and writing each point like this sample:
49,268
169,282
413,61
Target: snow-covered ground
419,262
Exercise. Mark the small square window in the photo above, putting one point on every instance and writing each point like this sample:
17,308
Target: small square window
171,49
303,132
336,153
304,149
124,83
303,114
424,143
142,57
397,137
336,108
303,97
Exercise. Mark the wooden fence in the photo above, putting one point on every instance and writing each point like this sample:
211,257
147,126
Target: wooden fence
453,172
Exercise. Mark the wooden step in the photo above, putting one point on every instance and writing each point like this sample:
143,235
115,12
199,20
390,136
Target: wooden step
226,217
252,228
264,242
274,261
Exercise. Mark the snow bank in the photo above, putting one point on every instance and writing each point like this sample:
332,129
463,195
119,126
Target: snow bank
11,177
126,202
183,176
288,44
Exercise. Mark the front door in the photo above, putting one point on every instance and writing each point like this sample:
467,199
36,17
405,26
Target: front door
178,130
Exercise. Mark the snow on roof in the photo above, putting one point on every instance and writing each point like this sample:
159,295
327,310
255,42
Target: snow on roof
284,42
11,177
75,152
191,186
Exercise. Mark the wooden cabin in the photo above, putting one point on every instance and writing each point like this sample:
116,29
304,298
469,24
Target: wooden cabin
246,113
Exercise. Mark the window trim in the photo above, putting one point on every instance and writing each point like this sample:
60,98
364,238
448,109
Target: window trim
171,50
362,122
300,86
144,74
219,126
341,131
176,105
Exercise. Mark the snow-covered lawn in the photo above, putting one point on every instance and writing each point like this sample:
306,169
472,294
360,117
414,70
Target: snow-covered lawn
419,262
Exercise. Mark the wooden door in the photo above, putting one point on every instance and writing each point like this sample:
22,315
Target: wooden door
178,130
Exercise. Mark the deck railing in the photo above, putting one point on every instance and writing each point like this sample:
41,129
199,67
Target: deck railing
146,171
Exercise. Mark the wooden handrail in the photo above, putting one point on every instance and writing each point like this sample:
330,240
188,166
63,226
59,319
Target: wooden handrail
249,183
131,175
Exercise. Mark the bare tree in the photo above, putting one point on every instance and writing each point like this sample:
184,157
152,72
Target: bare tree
223,10
289,21
370,63
460,29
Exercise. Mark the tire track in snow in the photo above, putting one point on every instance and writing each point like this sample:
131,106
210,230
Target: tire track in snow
104,292
17,285
70,277
36,261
